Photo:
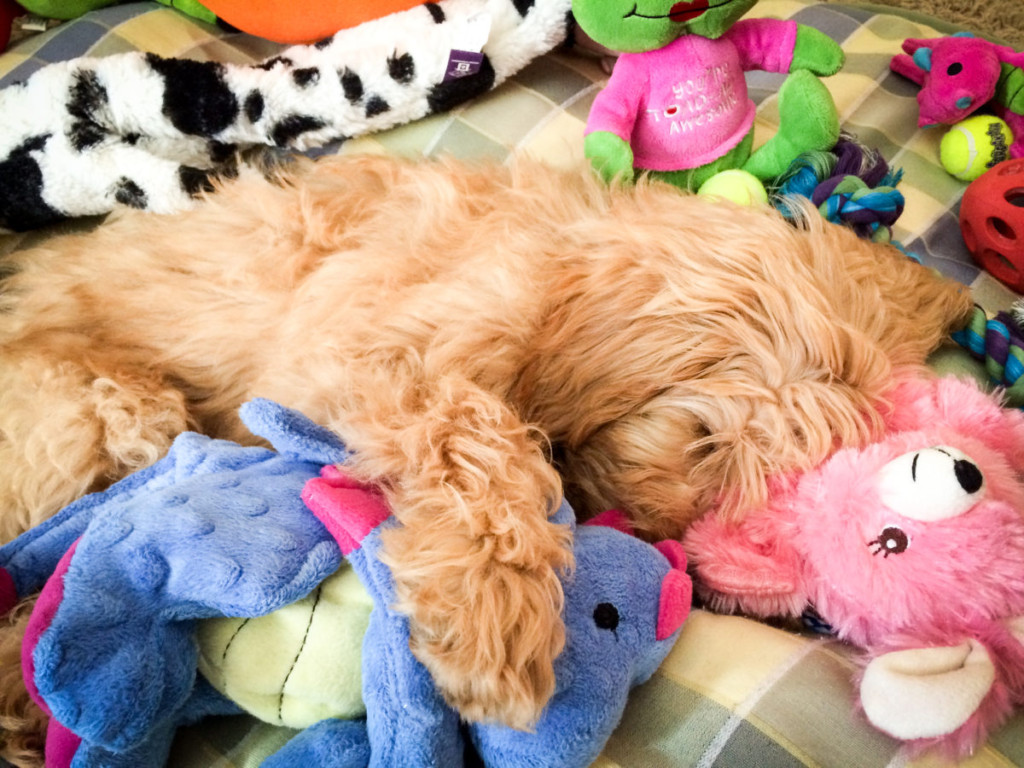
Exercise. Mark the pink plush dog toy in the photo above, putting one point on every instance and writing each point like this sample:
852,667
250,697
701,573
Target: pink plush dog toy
960,74
911,548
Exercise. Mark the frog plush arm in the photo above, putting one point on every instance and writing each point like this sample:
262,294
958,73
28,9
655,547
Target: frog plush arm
612,117
774,45
816,52
808,119
610,155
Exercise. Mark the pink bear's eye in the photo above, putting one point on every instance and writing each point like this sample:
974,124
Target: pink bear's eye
955,69
891,541
931,484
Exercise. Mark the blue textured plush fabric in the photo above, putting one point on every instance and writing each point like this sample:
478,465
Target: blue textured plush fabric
611,613
212,529
327,744
613,606
217,529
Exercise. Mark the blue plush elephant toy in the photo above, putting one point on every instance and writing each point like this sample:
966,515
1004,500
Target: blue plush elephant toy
216,529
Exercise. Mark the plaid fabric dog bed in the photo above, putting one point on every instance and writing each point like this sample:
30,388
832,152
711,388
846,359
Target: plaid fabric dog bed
734,692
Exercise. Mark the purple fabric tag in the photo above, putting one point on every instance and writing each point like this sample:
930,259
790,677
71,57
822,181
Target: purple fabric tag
462,64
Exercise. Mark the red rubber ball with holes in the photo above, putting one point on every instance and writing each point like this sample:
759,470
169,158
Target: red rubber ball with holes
992,222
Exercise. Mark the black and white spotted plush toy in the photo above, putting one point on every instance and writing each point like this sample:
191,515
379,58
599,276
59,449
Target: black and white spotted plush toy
83,136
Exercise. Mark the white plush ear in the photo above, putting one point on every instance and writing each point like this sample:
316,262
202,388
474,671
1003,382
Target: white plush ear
922,693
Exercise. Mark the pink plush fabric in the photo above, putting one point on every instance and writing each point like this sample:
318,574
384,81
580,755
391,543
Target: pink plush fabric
61,745
1016,123
42,617
914,541
686,104
676,592
613,518
673,602
958,76
334,490
868,596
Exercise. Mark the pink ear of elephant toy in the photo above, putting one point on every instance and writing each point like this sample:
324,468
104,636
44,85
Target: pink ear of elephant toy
960,74
911,548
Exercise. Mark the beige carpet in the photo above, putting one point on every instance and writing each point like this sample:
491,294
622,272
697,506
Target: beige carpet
996,18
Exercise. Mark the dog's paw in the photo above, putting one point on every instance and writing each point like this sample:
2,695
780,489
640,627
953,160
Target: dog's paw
485,622
493,656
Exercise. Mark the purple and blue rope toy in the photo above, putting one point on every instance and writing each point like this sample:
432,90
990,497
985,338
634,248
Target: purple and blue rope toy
853,185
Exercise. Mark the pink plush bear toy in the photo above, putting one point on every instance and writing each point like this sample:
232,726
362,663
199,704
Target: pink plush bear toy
959,75
911,548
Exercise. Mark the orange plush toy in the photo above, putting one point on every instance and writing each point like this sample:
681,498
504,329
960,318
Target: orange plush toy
302,21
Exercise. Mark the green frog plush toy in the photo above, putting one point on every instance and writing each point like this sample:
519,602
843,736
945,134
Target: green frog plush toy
676,103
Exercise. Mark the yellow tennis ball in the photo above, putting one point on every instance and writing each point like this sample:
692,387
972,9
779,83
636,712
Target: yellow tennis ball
736,185
974,145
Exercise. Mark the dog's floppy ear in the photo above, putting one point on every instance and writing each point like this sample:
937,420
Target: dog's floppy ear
748,567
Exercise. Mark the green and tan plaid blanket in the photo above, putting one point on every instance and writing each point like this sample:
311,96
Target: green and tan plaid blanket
734,692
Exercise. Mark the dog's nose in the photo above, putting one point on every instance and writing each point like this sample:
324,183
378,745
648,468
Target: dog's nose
676,590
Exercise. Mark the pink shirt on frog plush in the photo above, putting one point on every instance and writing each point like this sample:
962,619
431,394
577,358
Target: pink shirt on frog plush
675,122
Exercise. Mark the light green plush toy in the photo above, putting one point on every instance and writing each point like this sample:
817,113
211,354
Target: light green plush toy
297,665
676,103
72,9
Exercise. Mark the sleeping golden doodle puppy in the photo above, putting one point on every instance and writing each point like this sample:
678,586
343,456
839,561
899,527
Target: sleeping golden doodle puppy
460,327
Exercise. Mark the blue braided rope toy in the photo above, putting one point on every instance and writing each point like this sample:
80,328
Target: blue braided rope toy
999,343
850,185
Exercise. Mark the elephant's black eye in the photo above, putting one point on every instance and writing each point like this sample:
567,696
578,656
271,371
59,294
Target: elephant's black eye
891,541
955,68
606,616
